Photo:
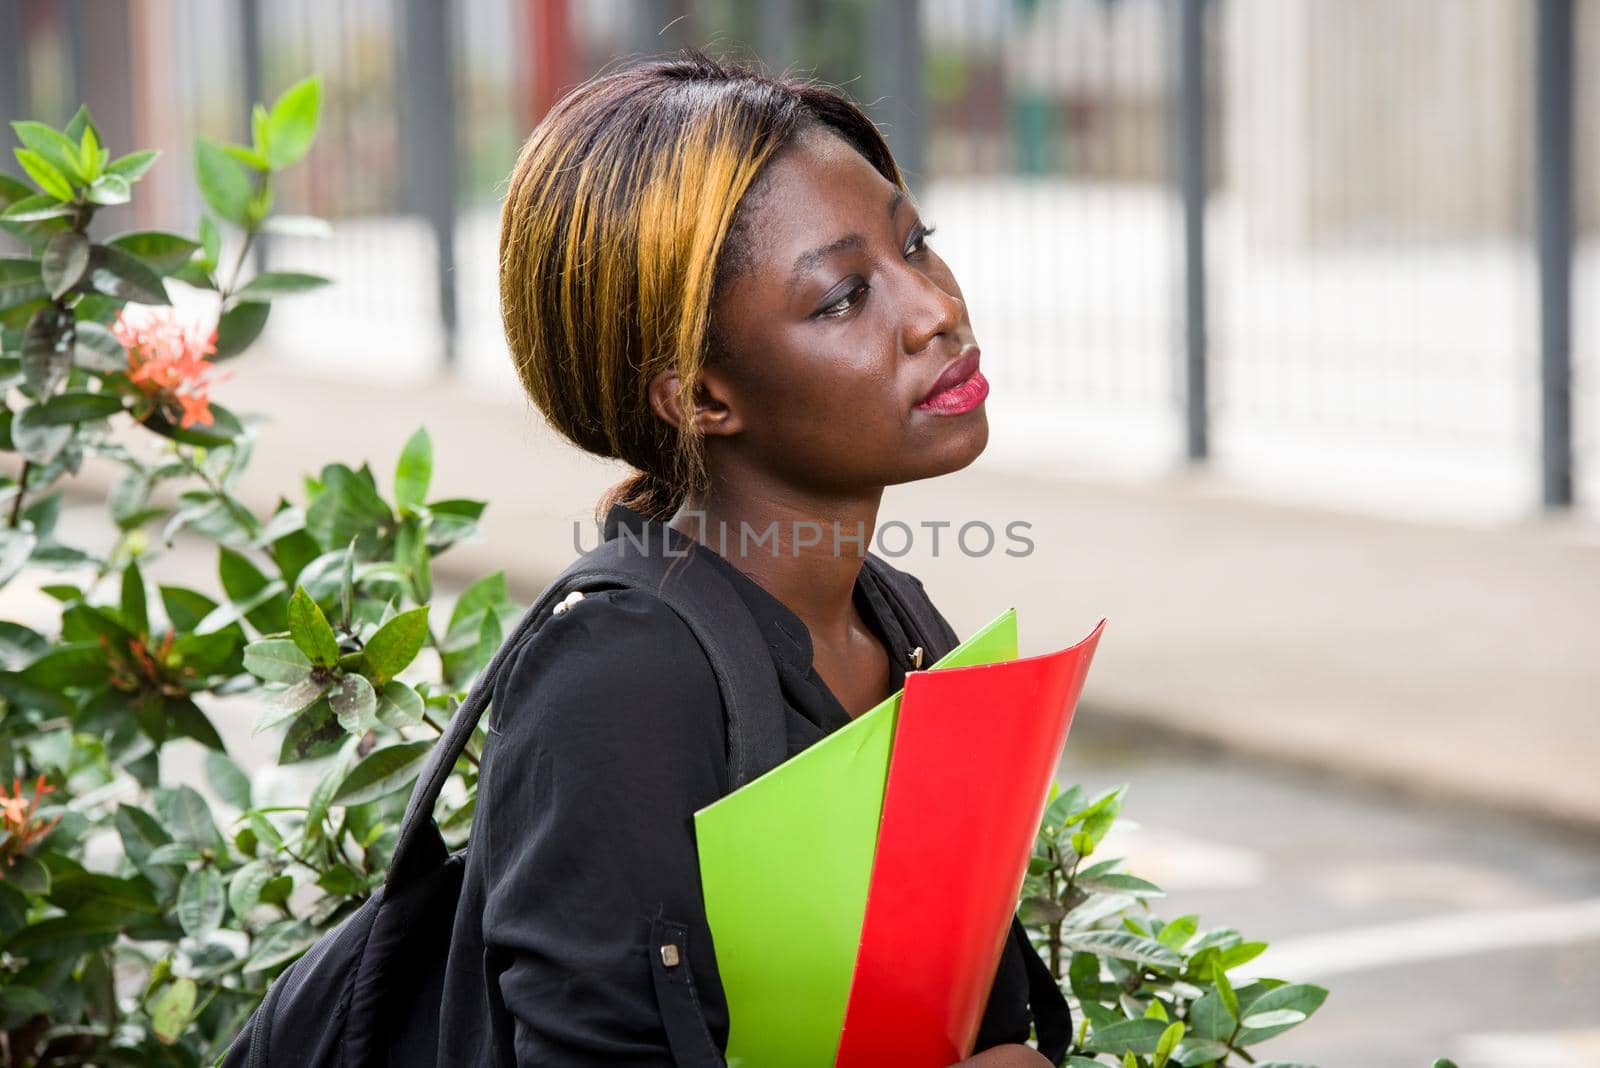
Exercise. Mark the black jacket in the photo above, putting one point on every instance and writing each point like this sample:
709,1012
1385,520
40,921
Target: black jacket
605,736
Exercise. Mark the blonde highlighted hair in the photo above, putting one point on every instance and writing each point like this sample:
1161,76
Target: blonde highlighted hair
619,230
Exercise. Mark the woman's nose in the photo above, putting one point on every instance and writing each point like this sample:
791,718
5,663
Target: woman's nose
931,310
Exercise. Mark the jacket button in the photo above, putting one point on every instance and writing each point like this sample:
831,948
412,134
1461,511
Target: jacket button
669,955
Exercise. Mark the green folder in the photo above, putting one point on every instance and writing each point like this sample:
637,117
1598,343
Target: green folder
784,864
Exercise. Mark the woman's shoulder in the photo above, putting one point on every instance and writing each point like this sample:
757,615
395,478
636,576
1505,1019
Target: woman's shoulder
612,661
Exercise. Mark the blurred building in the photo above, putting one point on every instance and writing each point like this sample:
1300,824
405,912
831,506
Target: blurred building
1371,291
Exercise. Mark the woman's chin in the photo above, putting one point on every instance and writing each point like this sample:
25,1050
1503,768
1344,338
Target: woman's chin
961,439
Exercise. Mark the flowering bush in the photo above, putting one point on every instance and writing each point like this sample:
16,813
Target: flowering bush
141,919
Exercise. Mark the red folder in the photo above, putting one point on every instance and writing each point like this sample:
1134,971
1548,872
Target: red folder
974,754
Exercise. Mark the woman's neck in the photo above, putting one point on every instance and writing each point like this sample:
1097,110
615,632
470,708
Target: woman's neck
806,553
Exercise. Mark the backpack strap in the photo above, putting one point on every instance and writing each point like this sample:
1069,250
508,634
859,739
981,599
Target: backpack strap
667,563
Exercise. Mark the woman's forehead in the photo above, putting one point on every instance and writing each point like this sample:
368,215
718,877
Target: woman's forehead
815,190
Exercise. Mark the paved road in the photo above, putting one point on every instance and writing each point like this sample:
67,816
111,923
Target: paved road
1439,931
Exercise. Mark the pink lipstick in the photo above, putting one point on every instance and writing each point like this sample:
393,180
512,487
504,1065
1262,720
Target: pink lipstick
960,388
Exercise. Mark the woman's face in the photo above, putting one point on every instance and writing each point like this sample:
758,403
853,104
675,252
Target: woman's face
841,323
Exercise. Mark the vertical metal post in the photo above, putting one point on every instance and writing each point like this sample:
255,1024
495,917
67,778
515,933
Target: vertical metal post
777,27
1553,234
254,86
1191,110
895,31
13,65
550,45
430,139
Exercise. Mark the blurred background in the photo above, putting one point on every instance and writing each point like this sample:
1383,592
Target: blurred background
1291,310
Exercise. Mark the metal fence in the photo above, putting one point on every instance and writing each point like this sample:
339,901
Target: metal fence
1345,248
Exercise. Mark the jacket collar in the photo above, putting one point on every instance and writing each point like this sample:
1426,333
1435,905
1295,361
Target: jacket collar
784,631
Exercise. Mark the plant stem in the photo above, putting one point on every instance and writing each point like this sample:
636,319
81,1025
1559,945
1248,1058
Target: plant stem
467,752
22,487
1055,934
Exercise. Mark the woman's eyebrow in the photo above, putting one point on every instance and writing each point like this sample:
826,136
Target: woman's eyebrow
806,260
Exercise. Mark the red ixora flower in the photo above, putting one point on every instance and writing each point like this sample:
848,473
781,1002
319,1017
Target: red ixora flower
17,819
167,350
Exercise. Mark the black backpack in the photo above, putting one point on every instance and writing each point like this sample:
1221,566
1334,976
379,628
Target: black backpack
368,991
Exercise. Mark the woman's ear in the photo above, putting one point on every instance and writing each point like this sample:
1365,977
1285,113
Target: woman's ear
713,415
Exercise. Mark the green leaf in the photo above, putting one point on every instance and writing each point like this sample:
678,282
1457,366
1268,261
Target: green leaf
16,547
1193,1051
135,614
20,282
90,154
315,732
79,123
276,660
202,902
1175,933
383,772
133,166
239,327
1230,1000
310,630
228,780
97,349
1243,953
282,941
1274,1018
270,284
354,703
68,665
188,818
342,880
1122,946
396,643
173,1010
399,706
66,258
291,125
47,344
1129,1036
52,146
223,181
117,274
289,703
65,409
244,888
160,251
36,440
46,175
1211,1018
414,471
1169,1042
110,189
249,157
210,243
1302,998
37,207
1118,883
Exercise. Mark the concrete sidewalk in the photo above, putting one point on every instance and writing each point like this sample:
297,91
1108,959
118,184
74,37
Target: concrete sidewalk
1460,663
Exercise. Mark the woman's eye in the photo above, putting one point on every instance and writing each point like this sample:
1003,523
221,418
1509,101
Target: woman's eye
919,239
845,303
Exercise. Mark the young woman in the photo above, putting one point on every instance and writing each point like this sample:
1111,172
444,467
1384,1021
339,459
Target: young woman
721,279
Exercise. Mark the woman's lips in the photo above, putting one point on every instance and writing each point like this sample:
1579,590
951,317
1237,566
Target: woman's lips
960,389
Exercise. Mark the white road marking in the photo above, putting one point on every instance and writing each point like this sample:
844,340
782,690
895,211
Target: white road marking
1537,1049
1460,934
